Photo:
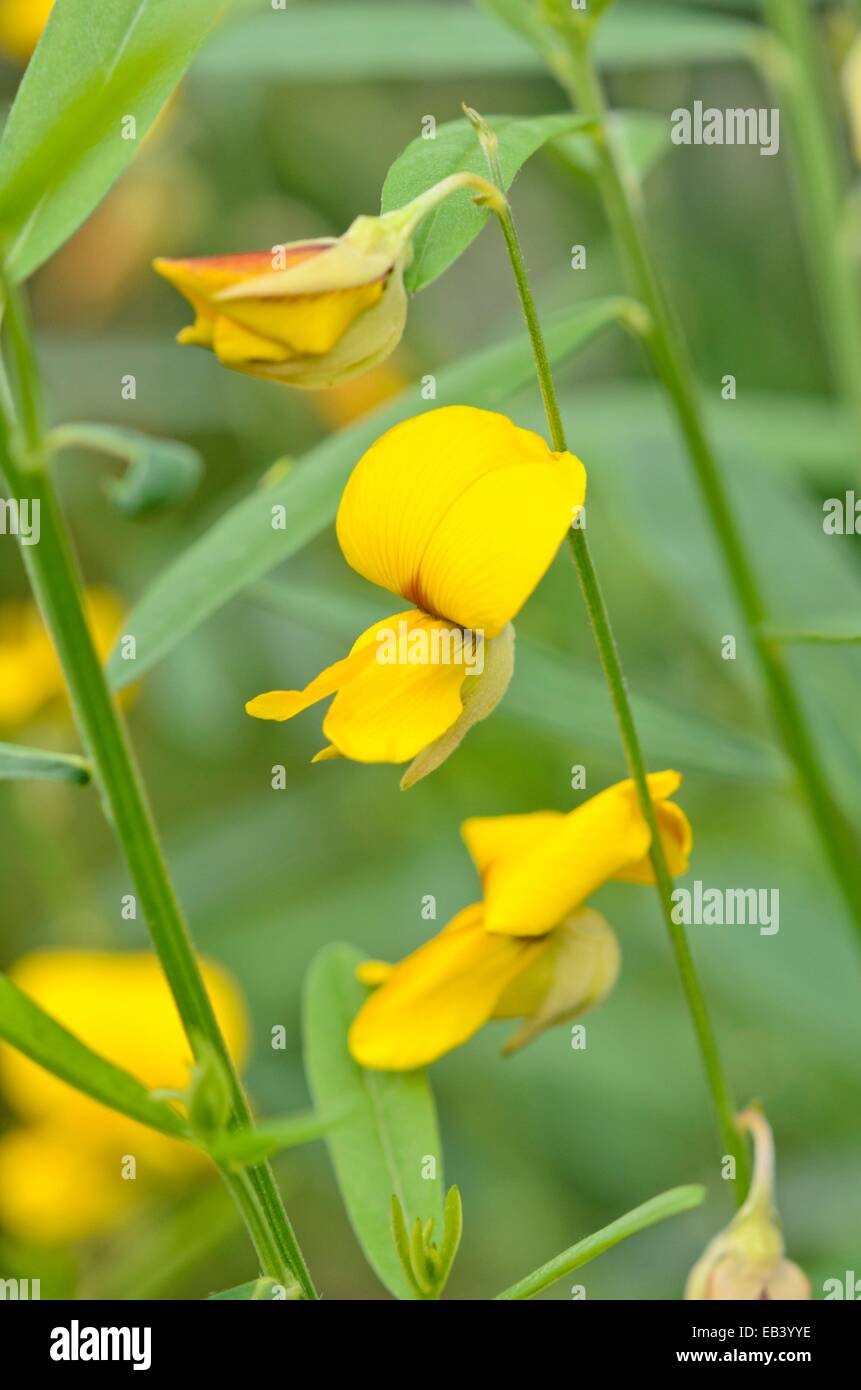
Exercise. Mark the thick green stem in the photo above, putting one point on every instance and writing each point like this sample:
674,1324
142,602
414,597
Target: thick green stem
608,652
669,353
54,578
796,66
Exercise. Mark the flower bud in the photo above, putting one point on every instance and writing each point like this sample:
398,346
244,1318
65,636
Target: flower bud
575,973
311,313
747,1261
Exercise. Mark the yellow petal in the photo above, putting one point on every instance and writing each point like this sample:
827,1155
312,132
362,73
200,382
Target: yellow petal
390,711
537,868
439,996
119,1004
300,324
461,512
385,711
234,344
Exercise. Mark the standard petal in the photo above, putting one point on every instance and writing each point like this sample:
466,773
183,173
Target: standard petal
461,512
537,869
439,996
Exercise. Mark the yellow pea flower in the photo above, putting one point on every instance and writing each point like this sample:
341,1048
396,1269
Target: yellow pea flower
459,512
530,949
747,1261
21,25
31,677
61,1168
311,313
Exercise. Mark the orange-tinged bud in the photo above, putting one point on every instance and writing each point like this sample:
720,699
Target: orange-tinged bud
747,1261
310,313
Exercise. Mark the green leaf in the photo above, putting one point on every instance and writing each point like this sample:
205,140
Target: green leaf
27,1027
243,545
159,474
448,230
672,1203
641,138
369,40
63,145
826,631
23,764
256,1291
244,1146
391,1131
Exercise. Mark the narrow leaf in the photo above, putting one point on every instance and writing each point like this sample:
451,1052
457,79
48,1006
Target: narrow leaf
159,472
379,39
243,545
448,231
390,1136
27,1027
69,133
672,1203
26,764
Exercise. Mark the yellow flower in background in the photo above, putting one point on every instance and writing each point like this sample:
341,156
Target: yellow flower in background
21,25
311,313
530,949
61,1169
460,513
747,1261
31,677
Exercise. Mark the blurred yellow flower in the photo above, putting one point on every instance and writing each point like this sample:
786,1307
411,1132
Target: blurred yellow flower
459,512
31,677
530,949
61,1171
21,25
311,313
747,1261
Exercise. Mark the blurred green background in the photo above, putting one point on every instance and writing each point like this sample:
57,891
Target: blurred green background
553,1143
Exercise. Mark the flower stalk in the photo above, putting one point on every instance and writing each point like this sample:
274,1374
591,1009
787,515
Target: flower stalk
53,574
608,652
665,341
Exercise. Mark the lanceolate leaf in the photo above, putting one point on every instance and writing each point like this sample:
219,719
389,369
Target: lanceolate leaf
25,764
447,231
369,40
244,545
159,472
26,1026
257,1291
389,1142
96,83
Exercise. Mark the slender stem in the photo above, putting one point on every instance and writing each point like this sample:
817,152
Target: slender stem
669,353
54,577
672,1203
608,652
797,66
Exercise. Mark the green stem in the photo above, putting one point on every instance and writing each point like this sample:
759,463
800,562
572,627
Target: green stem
672,1203
796,67
53,574
669,353
608,652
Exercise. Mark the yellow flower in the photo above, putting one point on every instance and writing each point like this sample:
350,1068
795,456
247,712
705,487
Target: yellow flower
530,949
61,1170
460,513
31,677
747,1261
311,313
21,25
